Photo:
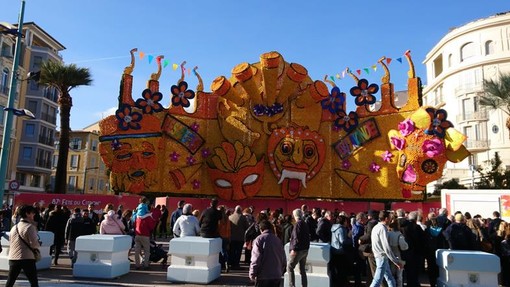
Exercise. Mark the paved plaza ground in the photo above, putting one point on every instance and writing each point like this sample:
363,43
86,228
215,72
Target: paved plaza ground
62,275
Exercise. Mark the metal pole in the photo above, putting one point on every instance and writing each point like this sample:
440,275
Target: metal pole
6,138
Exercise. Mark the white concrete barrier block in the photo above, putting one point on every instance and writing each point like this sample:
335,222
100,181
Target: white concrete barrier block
102,256
198,261
467,268
193,274
318,253
194,245
313,279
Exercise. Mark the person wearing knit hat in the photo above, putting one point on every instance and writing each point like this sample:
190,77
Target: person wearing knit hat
186,224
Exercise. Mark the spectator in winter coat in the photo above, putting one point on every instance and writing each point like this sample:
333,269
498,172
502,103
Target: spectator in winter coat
268,258
298,248
143,229
176,214
57,222
20,255
186,224
459,236
209,220
397,243
324,228
238,226
111,224
341,251
74,228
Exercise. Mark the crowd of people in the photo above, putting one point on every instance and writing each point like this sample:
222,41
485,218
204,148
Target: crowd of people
396,247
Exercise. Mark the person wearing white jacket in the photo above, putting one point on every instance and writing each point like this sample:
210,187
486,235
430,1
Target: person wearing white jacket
187,224
397,243
382,252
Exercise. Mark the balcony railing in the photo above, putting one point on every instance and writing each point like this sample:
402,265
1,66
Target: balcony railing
473,116
477,144
468,88
43,163
49,118
46,140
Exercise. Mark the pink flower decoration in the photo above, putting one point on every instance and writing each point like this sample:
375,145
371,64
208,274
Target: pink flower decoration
406,127
206,152
195,126
433,147
374,167
190,160
174,156
196,184
386,156
346,164
399,143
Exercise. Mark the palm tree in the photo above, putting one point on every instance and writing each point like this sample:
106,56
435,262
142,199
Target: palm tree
497,95
64,78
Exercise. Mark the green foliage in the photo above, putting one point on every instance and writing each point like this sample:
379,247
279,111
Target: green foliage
495,178
449,184
497,93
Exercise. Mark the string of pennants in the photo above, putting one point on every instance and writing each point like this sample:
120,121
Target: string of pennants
367,70
164,62
339,76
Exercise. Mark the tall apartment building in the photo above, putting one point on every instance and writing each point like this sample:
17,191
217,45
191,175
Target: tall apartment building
86,173
456,68
32,145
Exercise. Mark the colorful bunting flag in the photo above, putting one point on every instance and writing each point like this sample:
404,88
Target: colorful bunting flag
366,70
332,78
374,67
150,57
175,66
165,63
359,72
141,54
388,61
337,76
399,60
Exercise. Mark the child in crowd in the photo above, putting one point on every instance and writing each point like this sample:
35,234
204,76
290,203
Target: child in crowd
142,210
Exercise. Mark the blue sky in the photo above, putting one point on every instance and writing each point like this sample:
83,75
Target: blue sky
324,36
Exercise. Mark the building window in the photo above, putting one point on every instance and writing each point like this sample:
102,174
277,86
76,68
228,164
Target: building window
30,130
2,112
467,51
438,65
71,183
27,153
92,162
94,145
32,106
20,177
489,48
91,183
35,180
74,161
100,185
4,81
76,143
54,161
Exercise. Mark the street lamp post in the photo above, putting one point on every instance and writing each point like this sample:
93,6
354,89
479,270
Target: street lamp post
6,138
85,177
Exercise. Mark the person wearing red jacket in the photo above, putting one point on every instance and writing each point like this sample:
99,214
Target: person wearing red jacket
143,229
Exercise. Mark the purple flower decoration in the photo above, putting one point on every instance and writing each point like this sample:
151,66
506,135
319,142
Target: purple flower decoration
116,145
150,102
386,156
127,118
190,160
374,167
262,110
196,184
398,143
174,156
195,126
346,164
433,147
334,102
406,127
206,152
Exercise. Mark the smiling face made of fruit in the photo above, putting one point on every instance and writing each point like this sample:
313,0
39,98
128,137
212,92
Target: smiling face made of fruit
295,156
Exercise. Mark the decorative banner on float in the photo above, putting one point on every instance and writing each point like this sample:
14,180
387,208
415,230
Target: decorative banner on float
183,134
364,133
